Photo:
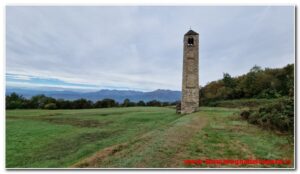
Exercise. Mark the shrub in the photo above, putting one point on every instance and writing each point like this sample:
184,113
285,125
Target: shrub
245,114
50,106
278,116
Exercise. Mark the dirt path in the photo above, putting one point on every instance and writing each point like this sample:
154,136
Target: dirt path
225,136
164,144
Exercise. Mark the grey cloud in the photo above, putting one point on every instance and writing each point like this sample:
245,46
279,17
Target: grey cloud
141,47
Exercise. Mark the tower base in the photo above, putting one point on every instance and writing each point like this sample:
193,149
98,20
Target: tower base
188,109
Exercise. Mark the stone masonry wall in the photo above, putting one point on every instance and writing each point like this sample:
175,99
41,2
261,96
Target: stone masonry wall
190,79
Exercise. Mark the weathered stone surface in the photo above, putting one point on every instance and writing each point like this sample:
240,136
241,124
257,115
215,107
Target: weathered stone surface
190,79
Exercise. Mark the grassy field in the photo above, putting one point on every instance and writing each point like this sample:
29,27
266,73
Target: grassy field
136,137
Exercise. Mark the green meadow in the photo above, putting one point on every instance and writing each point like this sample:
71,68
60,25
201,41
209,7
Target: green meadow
135,137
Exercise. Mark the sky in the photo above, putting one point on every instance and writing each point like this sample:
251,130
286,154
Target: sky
90,48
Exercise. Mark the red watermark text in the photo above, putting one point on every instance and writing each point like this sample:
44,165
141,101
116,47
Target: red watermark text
237,162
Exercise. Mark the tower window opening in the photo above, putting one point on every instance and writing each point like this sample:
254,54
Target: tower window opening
190,41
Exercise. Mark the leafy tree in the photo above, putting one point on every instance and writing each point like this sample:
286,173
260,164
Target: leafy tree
257,83
228,81
39,101
255,69
50,106
15,101
141,103
165,104
82,104
63,104
105,103
128,103
153,103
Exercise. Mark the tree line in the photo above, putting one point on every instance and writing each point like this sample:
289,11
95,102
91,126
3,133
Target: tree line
16,101
276,84
257,83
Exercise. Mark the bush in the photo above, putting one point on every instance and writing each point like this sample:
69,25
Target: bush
277,116
245,114
50,106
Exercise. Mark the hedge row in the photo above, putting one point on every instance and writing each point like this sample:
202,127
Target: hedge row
276,116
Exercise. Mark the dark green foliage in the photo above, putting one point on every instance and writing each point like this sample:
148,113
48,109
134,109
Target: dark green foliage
245,114
82,104
128,103
40,101
175,103
64,104
50,106
165,104
105,103
141,103
269,93
257,83
15,101
228,81
154,103
278,115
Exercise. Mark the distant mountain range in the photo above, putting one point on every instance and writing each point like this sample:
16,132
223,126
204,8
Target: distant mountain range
118,95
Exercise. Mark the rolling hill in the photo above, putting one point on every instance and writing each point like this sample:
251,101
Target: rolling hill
118,95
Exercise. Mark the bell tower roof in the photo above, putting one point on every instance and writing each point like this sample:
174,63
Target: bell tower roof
191,32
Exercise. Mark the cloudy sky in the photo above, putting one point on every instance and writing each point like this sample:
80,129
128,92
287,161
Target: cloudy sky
140,48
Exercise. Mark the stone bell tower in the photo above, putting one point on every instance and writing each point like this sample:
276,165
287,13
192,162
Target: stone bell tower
190,75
